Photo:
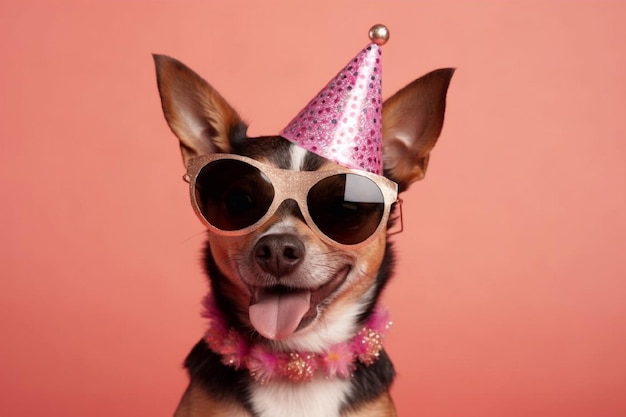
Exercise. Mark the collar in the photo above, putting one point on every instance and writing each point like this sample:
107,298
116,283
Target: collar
265,364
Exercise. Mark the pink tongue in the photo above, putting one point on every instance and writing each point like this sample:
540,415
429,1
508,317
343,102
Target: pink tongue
277,316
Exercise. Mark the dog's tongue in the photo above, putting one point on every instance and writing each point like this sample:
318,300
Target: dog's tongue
277,315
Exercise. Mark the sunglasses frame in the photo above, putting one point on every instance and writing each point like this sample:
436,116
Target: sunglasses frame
290,185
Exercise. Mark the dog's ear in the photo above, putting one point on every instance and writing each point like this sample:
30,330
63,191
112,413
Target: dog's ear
195,111
412,121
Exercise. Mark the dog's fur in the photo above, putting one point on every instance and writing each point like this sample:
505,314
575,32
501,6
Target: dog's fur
205,123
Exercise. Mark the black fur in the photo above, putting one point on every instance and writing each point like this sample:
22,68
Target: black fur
370,381
221,381
276,150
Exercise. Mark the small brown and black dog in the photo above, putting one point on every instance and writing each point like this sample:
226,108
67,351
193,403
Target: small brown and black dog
296,269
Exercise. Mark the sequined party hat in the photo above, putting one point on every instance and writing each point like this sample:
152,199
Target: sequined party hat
343,121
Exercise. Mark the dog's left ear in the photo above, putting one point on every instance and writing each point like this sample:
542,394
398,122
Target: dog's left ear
412,122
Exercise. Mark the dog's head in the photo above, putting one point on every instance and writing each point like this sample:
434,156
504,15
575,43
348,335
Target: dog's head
290,261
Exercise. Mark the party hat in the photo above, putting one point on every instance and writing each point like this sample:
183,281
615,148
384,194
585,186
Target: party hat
343,121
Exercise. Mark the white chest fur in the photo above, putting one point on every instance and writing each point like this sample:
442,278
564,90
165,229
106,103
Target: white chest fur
318,398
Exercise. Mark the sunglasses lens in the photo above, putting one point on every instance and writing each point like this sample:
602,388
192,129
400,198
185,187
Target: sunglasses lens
348,208
232,195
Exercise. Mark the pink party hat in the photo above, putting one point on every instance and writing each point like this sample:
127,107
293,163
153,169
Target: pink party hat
343,122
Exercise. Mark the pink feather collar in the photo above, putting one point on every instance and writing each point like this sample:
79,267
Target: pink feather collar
264,364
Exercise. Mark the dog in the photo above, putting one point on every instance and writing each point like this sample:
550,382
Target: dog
295,275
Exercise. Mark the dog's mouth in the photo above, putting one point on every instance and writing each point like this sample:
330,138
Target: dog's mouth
278,311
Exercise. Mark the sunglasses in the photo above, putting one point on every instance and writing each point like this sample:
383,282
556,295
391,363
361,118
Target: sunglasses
234,195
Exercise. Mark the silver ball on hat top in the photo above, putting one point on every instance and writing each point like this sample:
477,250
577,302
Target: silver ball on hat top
379,34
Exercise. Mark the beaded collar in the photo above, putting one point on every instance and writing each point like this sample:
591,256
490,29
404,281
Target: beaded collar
264,364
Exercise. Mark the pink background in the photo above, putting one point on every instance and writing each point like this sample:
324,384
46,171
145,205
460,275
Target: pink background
510,293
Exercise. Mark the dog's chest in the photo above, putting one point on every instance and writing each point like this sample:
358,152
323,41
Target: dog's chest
318,398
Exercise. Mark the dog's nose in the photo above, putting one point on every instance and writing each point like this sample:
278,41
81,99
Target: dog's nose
279,254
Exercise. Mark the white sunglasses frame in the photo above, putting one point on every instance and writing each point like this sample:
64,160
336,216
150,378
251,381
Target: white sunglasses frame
291,185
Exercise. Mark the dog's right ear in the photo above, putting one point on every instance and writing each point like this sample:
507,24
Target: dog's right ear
195,111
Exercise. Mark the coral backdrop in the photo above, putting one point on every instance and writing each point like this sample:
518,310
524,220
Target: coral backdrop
510,292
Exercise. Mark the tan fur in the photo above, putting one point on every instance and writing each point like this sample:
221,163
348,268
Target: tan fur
380,407
371,256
